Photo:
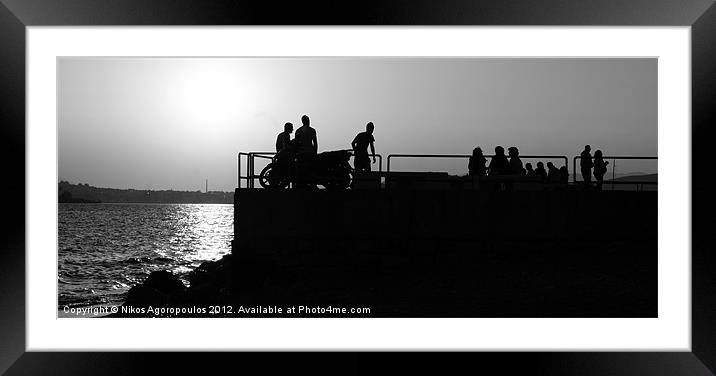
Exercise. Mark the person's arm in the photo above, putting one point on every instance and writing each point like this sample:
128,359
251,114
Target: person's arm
354,144
372,150
315,141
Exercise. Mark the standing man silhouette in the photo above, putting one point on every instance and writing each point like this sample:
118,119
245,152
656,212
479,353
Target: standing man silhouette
307,148
306,137
284,138
360,143
586,165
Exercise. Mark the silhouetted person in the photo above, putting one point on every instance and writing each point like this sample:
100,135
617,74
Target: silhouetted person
540,171
476,165
600,168
361,161
586,165
306,139
515,162
552,173
529,170
499,164
284,138
564,175
307,148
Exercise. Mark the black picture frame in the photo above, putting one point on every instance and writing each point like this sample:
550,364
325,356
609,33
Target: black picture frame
16,15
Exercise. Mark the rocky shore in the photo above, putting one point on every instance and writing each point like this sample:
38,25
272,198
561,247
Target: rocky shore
163,294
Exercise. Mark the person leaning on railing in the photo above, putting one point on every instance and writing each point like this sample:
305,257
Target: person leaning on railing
283,139
360,144
476,164
600,168
515,161
499,164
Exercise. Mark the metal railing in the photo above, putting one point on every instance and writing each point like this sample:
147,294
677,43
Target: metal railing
239,167
466,156
639,184
251,175
250,170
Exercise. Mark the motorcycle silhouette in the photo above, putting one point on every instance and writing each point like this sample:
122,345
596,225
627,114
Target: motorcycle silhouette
329,169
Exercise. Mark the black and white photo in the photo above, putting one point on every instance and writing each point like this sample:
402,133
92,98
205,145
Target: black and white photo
357,187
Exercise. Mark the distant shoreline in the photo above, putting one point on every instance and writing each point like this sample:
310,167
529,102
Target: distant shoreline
146,203
84,193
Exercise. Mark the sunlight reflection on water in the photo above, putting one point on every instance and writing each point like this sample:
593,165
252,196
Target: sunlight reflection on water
104,249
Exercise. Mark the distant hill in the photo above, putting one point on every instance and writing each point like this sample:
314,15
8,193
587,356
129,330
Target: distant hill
644,178
84,193
66,197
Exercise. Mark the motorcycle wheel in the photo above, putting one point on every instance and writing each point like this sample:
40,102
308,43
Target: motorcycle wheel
270,179
342,179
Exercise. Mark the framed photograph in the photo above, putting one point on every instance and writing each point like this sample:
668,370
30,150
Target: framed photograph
456,177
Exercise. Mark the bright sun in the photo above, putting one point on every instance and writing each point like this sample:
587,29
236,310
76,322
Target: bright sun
206,97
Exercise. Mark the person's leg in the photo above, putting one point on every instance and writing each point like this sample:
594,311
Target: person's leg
587,177
312,168
305,165
360,163
300,169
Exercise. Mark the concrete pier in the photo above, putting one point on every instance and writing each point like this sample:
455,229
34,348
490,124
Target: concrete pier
449,253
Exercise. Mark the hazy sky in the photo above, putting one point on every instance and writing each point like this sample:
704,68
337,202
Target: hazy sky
168,123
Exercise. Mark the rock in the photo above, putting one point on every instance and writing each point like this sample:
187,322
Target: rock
143,296
214,274
165,282
160,288
209,283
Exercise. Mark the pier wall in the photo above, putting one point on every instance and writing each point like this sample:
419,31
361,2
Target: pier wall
293,244
265,219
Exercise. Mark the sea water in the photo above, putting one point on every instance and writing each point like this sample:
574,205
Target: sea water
105,249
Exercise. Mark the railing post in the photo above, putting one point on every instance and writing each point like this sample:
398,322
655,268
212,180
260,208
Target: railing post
387,172
614,170
250,171
574,168
380,170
